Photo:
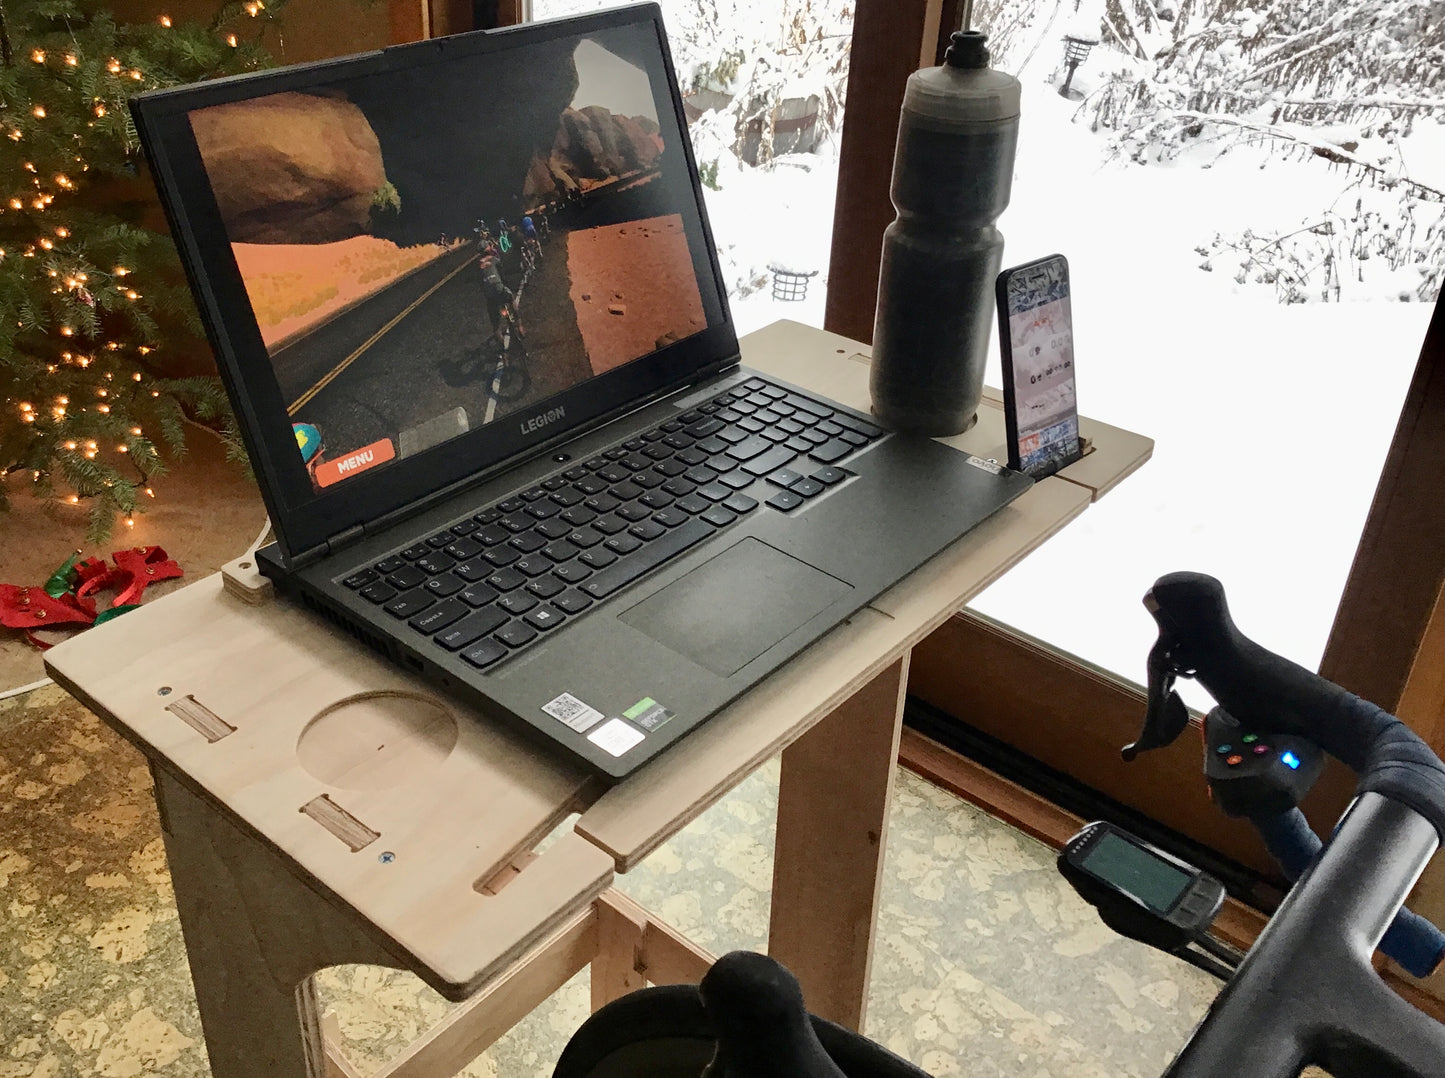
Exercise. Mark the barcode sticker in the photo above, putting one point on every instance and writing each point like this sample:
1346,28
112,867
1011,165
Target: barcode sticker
573,712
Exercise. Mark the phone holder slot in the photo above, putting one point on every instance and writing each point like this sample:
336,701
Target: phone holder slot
340,823
201,719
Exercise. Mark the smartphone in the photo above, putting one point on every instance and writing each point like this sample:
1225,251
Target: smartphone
1036,338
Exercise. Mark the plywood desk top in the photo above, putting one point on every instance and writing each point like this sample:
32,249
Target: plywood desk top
396,803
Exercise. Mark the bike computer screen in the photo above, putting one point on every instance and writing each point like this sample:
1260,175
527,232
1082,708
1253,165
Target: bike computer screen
1136,871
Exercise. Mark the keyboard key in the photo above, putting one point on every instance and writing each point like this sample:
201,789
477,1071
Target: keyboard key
568,498
575,473
736,480
636,462
602,503
740,503
671,426
478,595
754,383
649,479
408,577
798,444
829,427
622,544
439,617
784,410
591,485
634,512
562,550
471,629
492,534
517,633
629,569
544,618
814,436
517,522
595,463
773,391
409,603
868,430
488,516
625,492
534,494
671,468
599,557
614,473
439,540
711,446
749,448
715,492
822,411
446,584
557,482
572,602
579,515
677,441
436,562
654,435
700,475
751,425
511,505
543,510
582,538
808,488
776,457
785,499
679,487
553,529
693,503
474,570
853,437
719,516
658,452
361,579
506,580
379,592
517,602
574,572
656,499
773,434
616,453
692,455
501,556
791,427
463,549
389,565
646,529
728,415
829,476
768,416
533,565
830,451
733,435
633,444
420,550
744,406
527,542
670,518
784,477
484,654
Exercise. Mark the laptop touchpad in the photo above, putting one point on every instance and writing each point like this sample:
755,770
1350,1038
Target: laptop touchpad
728,611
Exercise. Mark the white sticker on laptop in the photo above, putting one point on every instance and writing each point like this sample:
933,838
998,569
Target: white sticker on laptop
573,712
615,736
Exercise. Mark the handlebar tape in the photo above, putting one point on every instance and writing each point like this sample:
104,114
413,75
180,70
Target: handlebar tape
1411,940
1270,693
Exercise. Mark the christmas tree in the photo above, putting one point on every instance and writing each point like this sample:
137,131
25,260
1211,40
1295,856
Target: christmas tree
92,299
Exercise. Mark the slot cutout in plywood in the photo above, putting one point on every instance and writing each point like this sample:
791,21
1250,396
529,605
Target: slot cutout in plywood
340,823
201,719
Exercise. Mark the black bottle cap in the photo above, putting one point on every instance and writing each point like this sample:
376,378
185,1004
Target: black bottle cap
967,48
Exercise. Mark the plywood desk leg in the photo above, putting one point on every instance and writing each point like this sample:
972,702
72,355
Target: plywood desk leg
833,798
254,935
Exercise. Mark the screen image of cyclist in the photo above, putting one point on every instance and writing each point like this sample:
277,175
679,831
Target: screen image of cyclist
405,296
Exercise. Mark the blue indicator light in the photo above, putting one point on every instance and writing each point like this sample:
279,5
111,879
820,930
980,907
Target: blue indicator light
1290,760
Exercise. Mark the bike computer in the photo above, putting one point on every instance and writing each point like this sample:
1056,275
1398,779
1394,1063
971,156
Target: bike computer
1139,890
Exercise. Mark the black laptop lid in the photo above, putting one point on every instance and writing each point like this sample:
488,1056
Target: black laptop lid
339,223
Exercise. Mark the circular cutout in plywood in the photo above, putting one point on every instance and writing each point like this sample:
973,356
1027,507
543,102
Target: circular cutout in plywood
376,740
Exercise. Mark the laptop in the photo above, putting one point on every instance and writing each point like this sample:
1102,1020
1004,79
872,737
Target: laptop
466,304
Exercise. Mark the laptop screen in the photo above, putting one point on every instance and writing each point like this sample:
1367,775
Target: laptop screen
468,245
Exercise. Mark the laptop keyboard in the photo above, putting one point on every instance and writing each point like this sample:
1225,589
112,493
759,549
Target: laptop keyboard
498,581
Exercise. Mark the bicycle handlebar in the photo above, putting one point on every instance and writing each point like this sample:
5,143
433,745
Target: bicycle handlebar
1198,638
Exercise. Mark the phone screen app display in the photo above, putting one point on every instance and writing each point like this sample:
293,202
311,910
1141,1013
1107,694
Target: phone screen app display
1041,339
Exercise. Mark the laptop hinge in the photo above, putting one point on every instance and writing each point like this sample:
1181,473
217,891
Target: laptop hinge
341,539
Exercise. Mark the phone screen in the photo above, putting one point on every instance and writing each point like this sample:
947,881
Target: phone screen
1037,336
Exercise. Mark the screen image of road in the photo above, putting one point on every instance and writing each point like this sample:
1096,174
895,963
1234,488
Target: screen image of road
428,251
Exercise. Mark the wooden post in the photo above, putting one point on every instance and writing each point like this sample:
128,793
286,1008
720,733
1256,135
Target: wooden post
837,780
891,40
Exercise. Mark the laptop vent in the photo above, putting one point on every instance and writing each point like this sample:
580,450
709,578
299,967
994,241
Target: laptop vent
347,625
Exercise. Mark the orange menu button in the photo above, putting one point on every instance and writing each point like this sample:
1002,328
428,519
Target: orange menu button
368,456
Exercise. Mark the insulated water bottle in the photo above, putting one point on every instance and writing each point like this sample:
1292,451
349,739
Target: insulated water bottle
952,172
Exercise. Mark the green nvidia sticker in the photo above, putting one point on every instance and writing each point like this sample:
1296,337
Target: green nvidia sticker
648,713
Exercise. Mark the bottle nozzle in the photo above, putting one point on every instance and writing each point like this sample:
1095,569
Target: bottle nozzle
967,48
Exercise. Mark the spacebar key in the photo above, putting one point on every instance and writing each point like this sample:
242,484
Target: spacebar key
649,557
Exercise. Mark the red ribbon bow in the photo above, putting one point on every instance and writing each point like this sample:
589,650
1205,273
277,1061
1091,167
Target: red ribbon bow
31,608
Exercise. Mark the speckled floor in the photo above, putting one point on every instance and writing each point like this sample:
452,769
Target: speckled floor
986,965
